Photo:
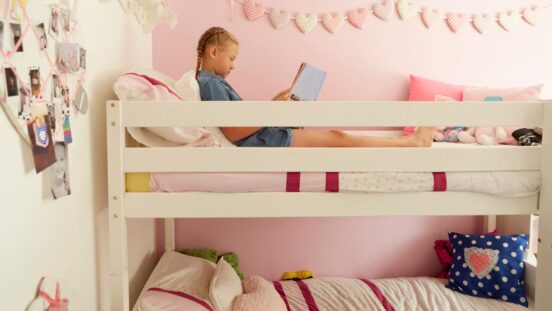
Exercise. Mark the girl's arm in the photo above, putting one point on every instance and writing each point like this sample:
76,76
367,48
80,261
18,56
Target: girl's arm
237,133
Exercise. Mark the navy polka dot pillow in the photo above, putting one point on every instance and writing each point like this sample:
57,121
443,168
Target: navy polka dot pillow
489,266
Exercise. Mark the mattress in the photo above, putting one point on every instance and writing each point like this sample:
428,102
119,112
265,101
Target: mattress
504,183
340,294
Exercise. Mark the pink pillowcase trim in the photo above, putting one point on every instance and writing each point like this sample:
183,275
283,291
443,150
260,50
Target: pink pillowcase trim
183,295
154,82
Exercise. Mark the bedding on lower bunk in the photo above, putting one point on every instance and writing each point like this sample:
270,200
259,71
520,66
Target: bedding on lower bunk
509,183
181,282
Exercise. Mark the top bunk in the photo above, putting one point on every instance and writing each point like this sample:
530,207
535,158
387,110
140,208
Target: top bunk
124,159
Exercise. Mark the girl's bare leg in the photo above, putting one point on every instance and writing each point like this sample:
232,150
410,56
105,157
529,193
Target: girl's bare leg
423,137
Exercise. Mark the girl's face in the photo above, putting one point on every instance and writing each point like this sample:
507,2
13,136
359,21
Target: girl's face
224,58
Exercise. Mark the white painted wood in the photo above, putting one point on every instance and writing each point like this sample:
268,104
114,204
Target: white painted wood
331,113
169,234
327,114
490,223
530,278
544,267
230,205
118,262
479,158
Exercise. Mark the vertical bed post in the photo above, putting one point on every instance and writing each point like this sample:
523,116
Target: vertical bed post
118,263
169,234
543,299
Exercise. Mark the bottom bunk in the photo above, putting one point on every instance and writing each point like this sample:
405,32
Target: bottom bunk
182,282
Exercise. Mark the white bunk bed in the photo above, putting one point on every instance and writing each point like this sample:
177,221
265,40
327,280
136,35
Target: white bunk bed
123,159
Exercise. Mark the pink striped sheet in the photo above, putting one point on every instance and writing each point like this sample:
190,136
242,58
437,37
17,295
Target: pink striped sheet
186,296
307,295
439,181
385,303
282,293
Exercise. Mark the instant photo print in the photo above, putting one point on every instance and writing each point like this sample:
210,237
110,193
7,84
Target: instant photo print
41,142
11,82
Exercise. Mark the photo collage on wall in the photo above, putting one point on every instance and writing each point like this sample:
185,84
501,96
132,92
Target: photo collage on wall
43,72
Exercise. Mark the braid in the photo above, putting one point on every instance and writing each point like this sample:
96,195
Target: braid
210,37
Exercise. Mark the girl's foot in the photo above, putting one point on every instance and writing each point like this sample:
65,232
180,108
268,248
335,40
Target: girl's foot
423,137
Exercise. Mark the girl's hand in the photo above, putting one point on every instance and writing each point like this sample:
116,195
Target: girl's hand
283,95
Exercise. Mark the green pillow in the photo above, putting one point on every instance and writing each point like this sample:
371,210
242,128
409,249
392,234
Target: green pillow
205,253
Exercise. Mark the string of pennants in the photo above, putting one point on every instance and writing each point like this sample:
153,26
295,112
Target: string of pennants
332,22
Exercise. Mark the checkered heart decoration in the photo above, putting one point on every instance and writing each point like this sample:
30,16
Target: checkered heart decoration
19,110
383,10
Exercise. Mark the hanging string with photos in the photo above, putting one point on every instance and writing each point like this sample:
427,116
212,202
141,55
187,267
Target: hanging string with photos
43,75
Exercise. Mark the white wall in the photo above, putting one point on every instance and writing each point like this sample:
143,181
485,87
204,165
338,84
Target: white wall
67,238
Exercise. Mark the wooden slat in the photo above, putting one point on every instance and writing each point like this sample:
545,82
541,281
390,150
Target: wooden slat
331,113
238,205
491,158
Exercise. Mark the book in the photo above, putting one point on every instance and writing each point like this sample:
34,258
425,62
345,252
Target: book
307,83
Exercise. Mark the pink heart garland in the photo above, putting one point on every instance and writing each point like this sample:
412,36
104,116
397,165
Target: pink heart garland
333,22
358,18
430,16
509,20
279,18
532,15
253,10
481,261
481,22
455,21
384,10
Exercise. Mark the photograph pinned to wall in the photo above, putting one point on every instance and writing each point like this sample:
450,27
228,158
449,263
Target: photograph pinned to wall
68,56
56,86
61,186
54,22
41,142
67,135
11,82
56,121
24,103
82,58
1,35
81,100
41,31
66,19
16,36
36,88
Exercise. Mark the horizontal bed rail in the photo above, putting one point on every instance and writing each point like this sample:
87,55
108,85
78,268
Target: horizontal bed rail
480,158
251,205
330,113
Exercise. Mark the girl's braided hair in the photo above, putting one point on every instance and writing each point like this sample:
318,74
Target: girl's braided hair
213,35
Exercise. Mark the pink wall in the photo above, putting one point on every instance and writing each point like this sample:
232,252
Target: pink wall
368,64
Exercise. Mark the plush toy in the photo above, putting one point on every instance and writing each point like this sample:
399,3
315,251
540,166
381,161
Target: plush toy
488,135
259,294
528,137
448,134
297,275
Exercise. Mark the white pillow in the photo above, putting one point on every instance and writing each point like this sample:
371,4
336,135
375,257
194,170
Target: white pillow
225,286
179,273
148,84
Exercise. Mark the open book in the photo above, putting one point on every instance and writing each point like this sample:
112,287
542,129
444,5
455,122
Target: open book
307,83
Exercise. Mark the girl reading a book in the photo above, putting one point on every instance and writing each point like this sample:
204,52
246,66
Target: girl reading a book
216,53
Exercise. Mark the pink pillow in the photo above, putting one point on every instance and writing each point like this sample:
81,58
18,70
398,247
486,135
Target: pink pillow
422,89
507,94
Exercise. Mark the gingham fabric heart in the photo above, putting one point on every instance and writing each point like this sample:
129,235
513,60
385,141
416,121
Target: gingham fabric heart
358,18
431,16
406,9
481,22
253,10
278,18
384,10
480,261
333,22
532,15
509,20
305,22
455,21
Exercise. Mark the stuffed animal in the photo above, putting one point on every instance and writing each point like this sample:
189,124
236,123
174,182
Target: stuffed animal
297,275
488,135
448,134
260,294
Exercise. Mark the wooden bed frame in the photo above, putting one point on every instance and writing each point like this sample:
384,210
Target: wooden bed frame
123,159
